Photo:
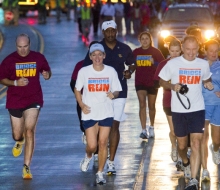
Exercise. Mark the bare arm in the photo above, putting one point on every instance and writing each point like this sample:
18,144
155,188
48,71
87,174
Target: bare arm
46,74
168,85
20,82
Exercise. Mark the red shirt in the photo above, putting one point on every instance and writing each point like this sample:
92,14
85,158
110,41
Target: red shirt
76,70
14,67
166,93
145,70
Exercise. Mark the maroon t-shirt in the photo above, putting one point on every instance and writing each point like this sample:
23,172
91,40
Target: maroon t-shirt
14,67
76,70
166,93
146,68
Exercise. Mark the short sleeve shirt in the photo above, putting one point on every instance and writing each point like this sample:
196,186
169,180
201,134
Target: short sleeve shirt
191,73
14,67
95,85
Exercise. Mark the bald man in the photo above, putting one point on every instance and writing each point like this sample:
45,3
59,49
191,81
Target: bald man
20,72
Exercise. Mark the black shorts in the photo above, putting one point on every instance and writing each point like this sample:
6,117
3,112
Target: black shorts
150,90
167,111
186,123
19,112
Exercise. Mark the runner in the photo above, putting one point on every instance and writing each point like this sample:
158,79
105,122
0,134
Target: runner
20,71
100,85
186,75
212,108
147,59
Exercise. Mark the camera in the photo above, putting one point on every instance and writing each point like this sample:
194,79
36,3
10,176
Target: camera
184,89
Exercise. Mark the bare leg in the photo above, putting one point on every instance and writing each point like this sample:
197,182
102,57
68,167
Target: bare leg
204,146
182,148
215,131
114,139
152,108
30,119
171,134
142,107
91,137
103,143
195,158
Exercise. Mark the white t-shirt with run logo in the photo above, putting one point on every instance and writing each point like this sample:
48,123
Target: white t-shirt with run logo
95,85
191,73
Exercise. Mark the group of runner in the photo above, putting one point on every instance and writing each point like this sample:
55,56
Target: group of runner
103,79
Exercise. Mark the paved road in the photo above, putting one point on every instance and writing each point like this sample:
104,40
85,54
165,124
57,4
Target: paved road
141,165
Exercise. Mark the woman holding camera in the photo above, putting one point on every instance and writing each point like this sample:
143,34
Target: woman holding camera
212,108
147,59
174,47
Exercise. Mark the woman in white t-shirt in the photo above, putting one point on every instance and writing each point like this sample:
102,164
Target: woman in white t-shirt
100,85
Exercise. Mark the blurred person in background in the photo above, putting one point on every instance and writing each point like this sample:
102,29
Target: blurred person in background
127,16
119,14
107,12
136,17
11,6
96,8
42,11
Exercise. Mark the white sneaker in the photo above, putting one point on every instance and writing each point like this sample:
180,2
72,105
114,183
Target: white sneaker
205,175
84,164
84,138
215,156
187,171
99,178
111,167
151,132
174,155
189,152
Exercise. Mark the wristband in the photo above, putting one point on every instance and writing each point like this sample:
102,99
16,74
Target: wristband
15,83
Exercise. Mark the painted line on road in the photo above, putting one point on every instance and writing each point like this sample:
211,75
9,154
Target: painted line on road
140,169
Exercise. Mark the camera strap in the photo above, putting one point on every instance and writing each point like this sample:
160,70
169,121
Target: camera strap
182,102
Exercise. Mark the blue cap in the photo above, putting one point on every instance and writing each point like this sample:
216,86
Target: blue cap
96,47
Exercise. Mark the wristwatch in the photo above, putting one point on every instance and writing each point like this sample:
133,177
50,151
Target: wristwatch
130,71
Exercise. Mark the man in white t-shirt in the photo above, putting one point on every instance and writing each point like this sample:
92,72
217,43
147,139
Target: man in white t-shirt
188,113
100,85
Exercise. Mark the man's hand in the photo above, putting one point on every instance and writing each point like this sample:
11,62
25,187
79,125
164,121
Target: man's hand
127,74
22,81
176,87
46,75
208,85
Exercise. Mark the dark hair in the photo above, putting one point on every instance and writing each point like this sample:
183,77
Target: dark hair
190,28
197,33
174,42
148,34
23,35
210,42
93,42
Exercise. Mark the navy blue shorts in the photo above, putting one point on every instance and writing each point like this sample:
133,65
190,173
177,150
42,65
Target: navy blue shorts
186,123
104,123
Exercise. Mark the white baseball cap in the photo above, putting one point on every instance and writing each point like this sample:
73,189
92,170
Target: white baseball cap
95,47
109,24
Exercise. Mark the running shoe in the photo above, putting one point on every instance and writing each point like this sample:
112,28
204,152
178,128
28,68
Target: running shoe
17,148
26,172
205,175
192,184
111,167
174,155
84,164
215,156
187,171
84,138
99,178
151,132
188,152
179,166
144,135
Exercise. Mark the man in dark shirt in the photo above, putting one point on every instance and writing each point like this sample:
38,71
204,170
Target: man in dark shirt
117,55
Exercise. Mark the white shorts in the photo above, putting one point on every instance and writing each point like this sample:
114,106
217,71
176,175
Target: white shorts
119,105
